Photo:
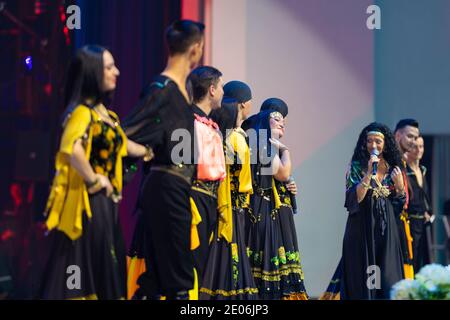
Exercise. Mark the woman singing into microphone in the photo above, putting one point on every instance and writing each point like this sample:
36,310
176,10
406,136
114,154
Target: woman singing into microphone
371,258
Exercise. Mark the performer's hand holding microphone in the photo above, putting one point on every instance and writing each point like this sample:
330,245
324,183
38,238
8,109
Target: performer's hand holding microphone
373,161
292,187
290,183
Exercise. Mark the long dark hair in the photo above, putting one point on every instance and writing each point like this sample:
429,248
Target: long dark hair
390,151
85,79
226,116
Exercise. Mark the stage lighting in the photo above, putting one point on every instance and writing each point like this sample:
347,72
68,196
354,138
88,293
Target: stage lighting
29,63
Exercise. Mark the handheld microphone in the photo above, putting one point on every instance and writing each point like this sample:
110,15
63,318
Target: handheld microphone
375,152
292,197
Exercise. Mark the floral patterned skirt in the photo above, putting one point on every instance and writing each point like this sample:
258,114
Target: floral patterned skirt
273,252
228,275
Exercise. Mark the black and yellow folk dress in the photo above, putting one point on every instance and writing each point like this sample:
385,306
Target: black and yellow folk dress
87,259
286,215
228,274
371,241
272,247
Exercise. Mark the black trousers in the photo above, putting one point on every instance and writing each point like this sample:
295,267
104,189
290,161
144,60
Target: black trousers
166,215
420,246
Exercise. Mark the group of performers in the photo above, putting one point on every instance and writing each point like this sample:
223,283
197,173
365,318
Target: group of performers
388,212
215,209
210,224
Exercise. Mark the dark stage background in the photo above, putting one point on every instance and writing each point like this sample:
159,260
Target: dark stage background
35,48
343,77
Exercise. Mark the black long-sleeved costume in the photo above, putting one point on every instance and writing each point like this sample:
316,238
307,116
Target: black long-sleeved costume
163,203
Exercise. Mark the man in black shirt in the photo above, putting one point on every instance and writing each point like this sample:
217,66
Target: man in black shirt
406,133
419,209
163,121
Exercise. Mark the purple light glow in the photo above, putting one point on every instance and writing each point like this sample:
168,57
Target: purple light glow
29,63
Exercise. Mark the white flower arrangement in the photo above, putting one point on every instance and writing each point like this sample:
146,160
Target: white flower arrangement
431,283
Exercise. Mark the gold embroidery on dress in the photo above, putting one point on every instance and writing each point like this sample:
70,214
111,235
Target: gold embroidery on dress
380,190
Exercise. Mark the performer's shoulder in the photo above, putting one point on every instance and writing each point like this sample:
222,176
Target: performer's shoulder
354,171
355,165
81,108
156,85
80,112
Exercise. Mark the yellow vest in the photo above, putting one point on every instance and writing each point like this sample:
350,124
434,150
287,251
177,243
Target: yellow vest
238,146
68,196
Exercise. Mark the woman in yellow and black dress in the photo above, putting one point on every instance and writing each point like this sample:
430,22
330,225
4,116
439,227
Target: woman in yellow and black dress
286,191
272,243
228,275
87,259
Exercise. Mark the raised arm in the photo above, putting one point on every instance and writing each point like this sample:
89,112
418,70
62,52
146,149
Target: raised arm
282,166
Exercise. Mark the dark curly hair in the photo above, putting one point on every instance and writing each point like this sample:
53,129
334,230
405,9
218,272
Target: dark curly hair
390,151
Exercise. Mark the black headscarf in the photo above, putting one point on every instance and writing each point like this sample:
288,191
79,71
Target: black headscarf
237,90
275,104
